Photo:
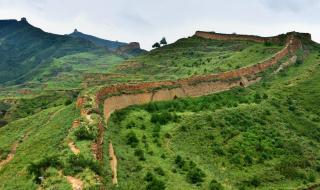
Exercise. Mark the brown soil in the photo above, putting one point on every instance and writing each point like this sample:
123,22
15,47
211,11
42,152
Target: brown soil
113,164
76,184
75,124
73,148
10,155
13,151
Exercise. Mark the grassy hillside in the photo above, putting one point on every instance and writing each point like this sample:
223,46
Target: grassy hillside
196,56
262,137
265,136
38,137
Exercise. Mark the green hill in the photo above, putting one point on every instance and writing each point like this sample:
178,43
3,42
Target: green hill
197,56
265,136
28,53
54,133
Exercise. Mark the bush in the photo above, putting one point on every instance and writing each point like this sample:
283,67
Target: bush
132,139
156,184
255,181
214,185
140,154
68,102
3,123
179,161
195,175
77,163
159,171
299,62
268,44
84,132
4,154
149,176
37,169
163,118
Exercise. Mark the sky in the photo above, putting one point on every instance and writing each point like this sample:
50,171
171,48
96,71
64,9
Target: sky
147,21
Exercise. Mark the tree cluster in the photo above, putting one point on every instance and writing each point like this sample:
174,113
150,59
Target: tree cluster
162,42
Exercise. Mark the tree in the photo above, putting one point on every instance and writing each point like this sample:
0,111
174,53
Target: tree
156,45
163,41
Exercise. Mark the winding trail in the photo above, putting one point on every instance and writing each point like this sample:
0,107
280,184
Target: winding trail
13,151
76,183
10,156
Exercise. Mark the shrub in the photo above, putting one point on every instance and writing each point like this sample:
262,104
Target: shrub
140,154
255,181
179,161
163,118
38,168
214,185
268,44
299,62
159,171
68,102
86,132
132,139
3,123
77,163
131,124
3,153
195,175
149,176
156,184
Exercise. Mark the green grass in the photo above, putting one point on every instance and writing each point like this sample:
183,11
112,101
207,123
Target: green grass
265,136
46,132
196,56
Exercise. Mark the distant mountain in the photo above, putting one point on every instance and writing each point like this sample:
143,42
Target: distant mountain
111,45
26,51
122,48
30,54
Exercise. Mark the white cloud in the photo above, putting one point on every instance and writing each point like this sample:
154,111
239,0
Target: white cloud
148,20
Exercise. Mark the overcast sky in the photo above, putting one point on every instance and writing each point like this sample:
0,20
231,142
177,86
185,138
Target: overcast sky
146,21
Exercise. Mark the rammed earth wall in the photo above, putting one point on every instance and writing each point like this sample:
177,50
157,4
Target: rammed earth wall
121,96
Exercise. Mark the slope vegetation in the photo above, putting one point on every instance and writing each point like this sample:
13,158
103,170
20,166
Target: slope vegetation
225,133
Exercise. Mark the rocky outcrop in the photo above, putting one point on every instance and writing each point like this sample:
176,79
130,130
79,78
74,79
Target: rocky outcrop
133,48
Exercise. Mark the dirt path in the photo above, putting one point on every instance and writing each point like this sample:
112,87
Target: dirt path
10,156
73,148
76,184
13,151
53,115
113,164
